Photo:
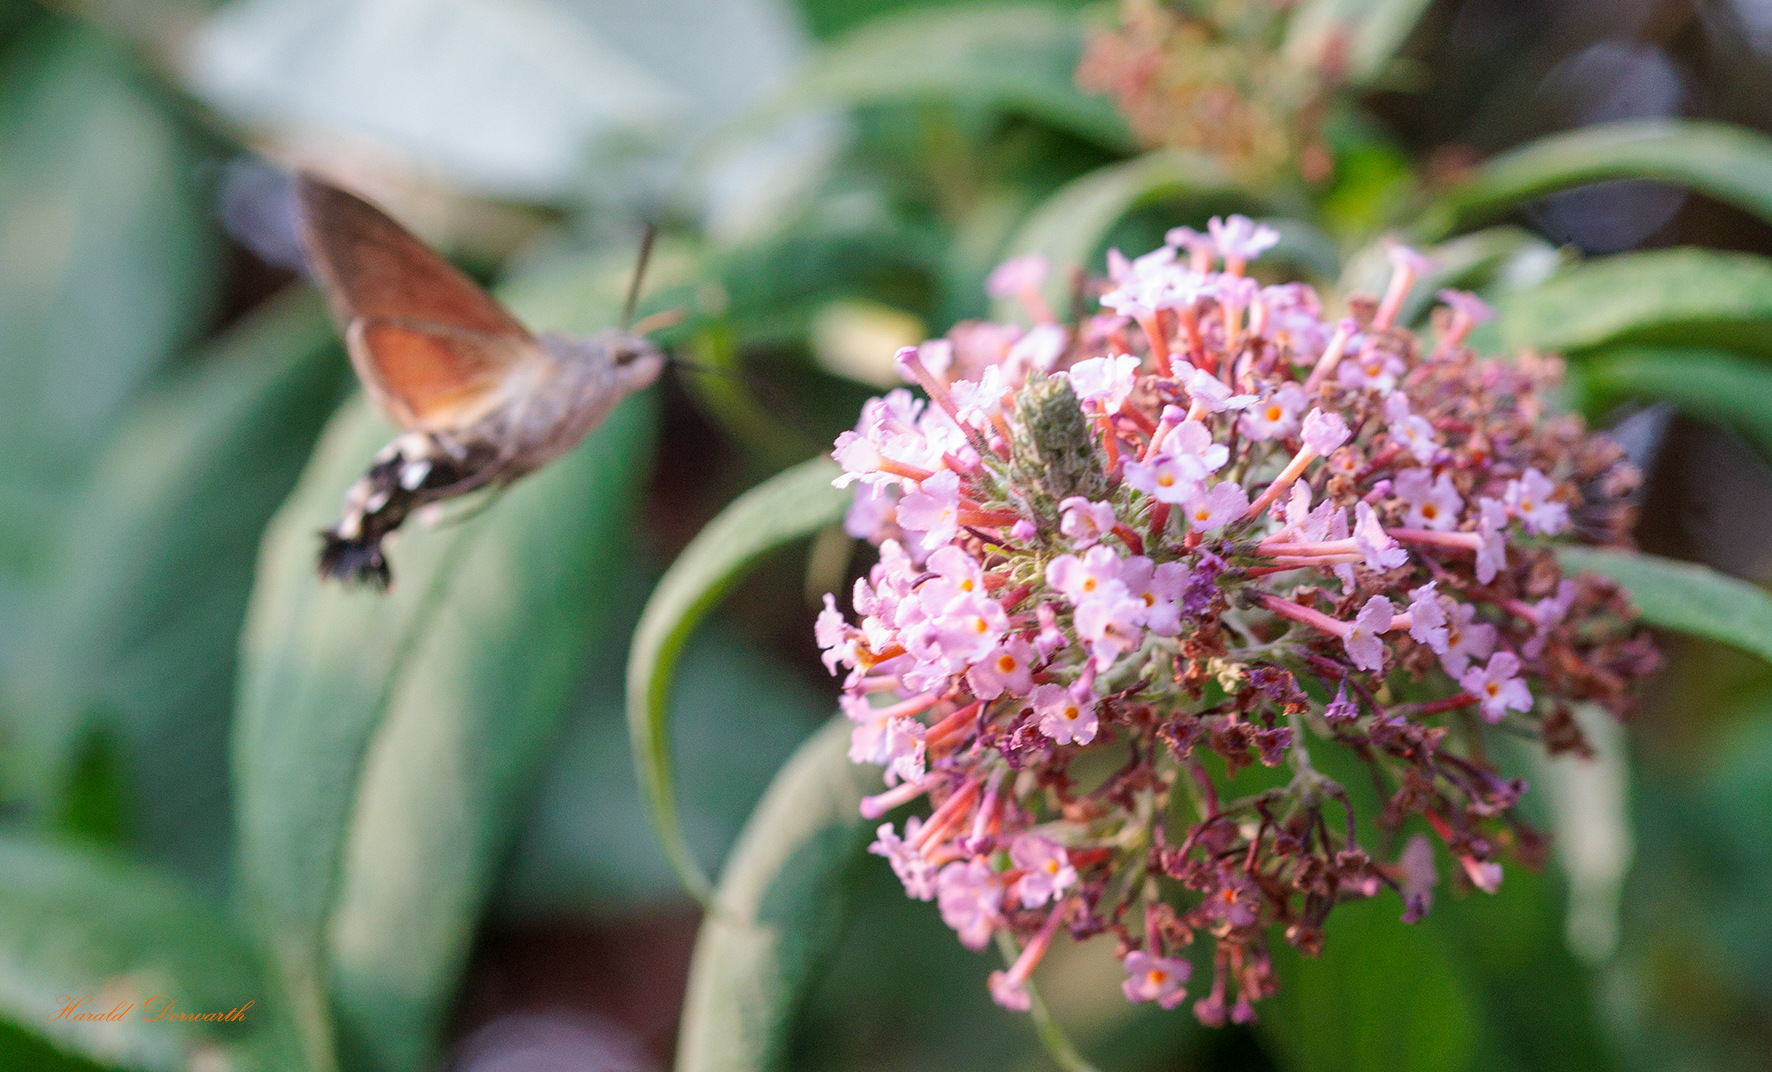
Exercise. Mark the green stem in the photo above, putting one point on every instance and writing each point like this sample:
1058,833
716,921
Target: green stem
1058,1045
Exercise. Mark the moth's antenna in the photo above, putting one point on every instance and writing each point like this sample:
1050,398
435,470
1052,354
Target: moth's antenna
627,308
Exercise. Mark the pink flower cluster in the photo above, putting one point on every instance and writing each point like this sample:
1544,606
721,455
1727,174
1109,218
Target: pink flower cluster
1200,532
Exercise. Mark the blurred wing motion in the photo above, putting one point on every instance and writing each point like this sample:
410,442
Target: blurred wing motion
431,347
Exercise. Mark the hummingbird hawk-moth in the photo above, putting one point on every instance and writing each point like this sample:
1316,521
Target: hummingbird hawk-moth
480,401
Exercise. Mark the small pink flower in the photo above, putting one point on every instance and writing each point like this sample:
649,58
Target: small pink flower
1066,715
1364,639
1159,979
980,400
867,741
1046,869
1210,393
1464,303
1009,992
1420,876
1103,384
1323,432
835,636
1080,578
1211,510
1497,688
1382,552
1085,522
1413,433
1433,503
1191,444
971,898
934,508
1372,369
1240,238
1038,350
902,750
1546,613
1427,619
1163,478
1051,637
969,628
860,458
1466,639
1009,668
1159,588
1529,499
1485,875
873,513
1236,294
1016,276
1108,622
917,874
1276,415
1491,526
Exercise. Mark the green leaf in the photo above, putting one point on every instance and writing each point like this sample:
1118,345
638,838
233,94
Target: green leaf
383,741
1730,163
1014,57
471,716
138,619
1680,297
326,670
1708,384
1684,597
790,506
587,845
108,260
1070,227
780,909
74,923
1381,996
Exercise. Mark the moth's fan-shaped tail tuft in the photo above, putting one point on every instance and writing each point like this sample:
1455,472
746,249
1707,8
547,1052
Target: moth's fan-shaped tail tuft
357,561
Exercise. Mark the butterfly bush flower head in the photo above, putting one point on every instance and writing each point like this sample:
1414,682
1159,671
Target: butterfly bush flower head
1182,545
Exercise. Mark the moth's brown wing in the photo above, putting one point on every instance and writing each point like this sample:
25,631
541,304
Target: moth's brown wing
435,377
428,343
370,266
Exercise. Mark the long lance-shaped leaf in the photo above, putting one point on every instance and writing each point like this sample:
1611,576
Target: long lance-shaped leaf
1015,57
323,667
788,507
1678,297
781,903
1705,383
463,736
136,629
1727,162
75,924
1684,597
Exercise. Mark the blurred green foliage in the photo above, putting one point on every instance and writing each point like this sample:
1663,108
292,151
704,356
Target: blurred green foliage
225,783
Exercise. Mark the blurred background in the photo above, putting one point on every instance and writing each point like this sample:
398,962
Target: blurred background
833,179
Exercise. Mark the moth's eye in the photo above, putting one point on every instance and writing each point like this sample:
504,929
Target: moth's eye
625,356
